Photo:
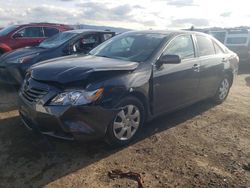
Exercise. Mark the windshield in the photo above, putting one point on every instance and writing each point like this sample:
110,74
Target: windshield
7,30
136,47
57,40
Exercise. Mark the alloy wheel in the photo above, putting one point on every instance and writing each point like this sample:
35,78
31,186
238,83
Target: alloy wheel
126,122
224,89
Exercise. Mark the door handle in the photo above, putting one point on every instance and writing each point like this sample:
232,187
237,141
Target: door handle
196,68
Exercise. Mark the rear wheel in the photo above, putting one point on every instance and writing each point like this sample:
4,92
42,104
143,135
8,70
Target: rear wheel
223,90
126,123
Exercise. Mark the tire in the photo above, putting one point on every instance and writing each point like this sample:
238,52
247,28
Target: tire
223,90
126,123
1,53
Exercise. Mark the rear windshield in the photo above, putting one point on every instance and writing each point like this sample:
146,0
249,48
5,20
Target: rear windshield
57,40
7,30
236,40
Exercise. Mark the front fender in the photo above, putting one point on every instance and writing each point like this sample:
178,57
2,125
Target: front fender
129,83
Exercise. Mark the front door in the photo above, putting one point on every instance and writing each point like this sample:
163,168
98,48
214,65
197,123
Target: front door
29,36
175,85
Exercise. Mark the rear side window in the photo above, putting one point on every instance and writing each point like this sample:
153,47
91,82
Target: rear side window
181,46
218,49
205,45
48,32
31,32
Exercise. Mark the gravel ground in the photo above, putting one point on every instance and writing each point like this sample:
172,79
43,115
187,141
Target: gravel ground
200,146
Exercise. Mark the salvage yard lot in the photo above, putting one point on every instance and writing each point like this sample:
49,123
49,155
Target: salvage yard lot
200,146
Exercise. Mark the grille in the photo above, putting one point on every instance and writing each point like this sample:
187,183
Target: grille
32,94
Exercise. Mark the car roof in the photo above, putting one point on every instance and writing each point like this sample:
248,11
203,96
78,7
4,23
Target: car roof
79,31
43,24
169,32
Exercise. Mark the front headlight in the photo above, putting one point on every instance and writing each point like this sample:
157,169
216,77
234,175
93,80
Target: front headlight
24,59
77,97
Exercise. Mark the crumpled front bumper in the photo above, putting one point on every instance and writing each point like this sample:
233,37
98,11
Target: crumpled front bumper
67,122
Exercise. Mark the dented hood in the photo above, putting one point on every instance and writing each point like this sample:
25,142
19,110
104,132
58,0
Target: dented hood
77,68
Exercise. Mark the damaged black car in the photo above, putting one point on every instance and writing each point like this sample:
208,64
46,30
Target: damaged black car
123,83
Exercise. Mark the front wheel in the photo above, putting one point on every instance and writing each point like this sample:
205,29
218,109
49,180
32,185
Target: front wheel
222,91
126,123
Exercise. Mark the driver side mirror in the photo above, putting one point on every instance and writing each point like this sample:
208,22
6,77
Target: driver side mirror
17,35
169,59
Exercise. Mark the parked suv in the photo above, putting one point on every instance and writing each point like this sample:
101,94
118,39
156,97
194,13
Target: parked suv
18,36
14,65
124,82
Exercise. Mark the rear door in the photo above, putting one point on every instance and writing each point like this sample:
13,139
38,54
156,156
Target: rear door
28,36
211,65
177,84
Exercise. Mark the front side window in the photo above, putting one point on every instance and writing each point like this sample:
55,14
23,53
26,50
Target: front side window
205,45
48,32
181,46
31,32
136,47
86,43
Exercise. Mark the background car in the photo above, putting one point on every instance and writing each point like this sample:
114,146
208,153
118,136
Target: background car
19,36
14,65
237,40
124,82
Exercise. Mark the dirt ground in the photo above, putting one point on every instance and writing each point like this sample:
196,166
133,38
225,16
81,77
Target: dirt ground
200,146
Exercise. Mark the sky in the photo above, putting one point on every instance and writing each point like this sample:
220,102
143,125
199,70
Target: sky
132,14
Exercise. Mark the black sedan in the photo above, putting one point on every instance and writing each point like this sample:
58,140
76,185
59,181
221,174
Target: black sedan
124,82
13,65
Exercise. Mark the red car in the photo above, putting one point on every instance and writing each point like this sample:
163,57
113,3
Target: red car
18,36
